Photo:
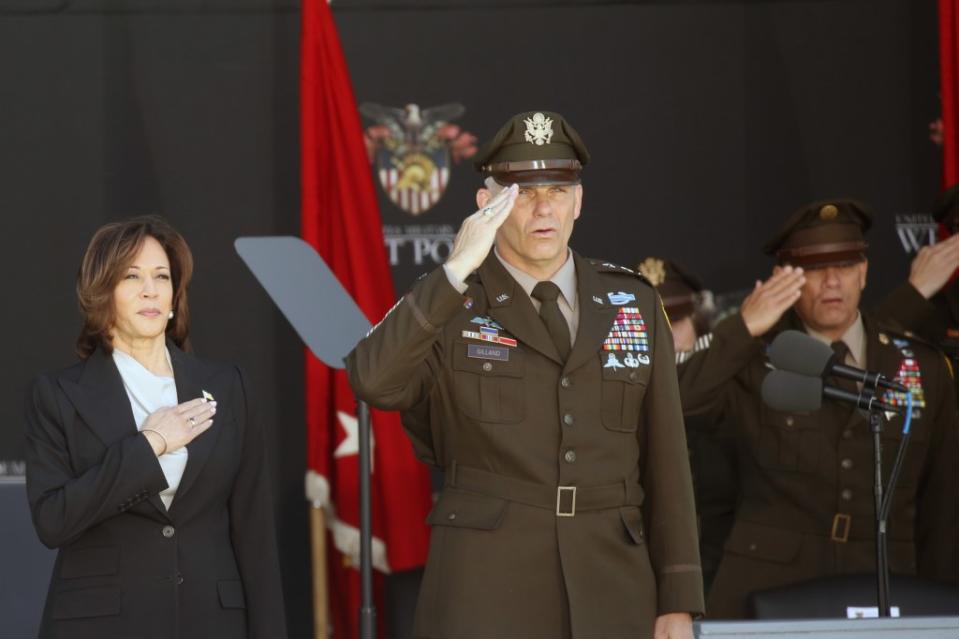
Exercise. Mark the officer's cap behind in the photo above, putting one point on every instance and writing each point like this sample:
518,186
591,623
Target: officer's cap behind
534,148
821,234
678,288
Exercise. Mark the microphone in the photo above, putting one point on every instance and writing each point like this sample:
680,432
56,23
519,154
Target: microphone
797,352
795,393
791,392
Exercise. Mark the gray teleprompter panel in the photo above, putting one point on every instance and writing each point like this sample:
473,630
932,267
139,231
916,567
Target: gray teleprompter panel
304,288
904,628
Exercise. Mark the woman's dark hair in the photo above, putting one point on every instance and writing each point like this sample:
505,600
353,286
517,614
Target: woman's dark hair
109,254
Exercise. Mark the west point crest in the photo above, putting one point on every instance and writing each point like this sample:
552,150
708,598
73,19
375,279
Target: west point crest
413,161
539,129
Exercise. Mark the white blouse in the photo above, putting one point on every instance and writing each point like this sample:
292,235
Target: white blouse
148,393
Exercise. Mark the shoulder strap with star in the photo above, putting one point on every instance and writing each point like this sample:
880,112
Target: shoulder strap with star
608,267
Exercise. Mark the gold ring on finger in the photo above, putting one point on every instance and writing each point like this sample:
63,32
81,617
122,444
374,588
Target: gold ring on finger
488,211
193,421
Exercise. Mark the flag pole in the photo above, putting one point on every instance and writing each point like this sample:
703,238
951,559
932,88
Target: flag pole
321,621
367,609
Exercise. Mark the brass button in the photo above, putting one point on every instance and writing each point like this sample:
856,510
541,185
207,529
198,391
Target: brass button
846,494
568,419
633,376
846,464
179,579
487,366
565,383
451,516
753,547
168,531
847,434
570,456
790,421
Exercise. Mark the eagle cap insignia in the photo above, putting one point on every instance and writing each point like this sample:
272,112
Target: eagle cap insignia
539,129
654,270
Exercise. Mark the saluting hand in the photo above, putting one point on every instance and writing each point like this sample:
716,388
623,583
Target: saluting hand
172,428
770,299
478,232
674,625
934,265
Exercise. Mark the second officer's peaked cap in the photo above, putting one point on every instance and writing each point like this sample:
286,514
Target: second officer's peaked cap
820,234
534,147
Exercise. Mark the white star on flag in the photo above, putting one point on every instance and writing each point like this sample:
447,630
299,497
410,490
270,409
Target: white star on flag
351,444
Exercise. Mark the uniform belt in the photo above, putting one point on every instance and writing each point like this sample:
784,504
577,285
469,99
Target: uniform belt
565,501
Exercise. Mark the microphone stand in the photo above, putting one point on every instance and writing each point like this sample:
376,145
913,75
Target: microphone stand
882,551
883,498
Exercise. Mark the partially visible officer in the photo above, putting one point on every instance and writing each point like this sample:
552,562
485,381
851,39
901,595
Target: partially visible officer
543,384
928,302
712,444
806,500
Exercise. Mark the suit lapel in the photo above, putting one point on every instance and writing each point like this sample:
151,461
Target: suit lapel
595,318
101,400
104,405
509,305
189,376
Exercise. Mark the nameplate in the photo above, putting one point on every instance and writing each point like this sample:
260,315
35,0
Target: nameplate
480,351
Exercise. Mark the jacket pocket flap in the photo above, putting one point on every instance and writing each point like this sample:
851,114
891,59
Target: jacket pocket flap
89,562
231,593
86,602
633,521
467,510
764,542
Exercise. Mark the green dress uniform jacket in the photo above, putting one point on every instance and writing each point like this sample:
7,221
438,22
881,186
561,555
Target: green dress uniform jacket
567,509
806,505
936,319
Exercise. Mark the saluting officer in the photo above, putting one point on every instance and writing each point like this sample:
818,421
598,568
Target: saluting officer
543,383
928,302
806,506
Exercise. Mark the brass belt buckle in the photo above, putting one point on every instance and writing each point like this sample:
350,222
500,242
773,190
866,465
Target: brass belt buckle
559,497
844,521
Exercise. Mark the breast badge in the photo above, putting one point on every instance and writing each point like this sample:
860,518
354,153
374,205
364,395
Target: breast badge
620,298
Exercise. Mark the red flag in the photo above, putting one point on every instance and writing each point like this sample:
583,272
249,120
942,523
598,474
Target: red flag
340,218
949,89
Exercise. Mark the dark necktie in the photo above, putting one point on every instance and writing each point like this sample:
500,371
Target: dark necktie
547,293
841,350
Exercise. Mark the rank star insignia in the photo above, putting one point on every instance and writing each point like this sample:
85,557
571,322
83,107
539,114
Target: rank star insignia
539,129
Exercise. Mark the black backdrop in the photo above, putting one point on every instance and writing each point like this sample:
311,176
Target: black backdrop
708,122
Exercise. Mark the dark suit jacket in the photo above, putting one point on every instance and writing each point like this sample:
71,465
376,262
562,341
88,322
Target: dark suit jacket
127,568
510,429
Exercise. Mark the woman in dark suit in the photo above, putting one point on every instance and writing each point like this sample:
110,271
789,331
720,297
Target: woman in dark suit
143,467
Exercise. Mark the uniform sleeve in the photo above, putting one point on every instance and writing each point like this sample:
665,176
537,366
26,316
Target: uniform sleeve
252,528
705,376
394,367
65,504
669,509
907,307
937,517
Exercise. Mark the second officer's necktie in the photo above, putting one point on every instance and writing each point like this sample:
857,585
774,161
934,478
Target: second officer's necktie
547,293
